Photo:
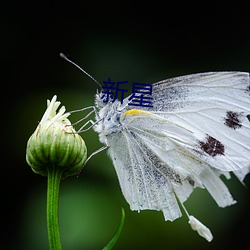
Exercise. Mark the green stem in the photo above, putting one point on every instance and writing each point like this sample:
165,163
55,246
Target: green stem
117,234
54,177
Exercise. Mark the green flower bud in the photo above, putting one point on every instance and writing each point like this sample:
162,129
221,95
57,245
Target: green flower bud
55,144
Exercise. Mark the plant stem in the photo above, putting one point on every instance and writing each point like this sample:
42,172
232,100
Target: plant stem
54,177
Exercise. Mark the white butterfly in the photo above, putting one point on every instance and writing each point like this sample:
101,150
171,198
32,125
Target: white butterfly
197,130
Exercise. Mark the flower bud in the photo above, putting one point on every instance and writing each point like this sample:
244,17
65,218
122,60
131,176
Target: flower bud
55,144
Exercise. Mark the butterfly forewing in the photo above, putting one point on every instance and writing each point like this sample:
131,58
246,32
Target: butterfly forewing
214,107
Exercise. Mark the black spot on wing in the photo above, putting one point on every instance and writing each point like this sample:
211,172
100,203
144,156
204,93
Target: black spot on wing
233,119
212,146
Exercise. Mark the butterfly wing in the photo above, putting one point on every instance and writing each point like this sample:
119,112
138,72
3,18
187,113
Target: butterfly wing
214,106
156,167
141,184
196,129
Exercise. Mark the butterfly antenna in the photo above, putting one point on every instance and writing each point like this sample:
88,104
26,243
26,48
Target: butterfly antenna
68,60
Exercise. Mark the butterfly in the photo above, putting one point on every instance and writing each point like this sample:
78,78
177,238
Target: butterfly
197,130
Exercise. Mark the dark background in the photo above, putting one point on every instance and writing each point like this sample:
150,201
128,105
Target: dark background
125,41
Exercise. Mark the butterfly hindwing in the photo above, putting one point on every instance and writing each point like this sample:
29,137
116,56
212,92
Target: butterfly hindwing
142,184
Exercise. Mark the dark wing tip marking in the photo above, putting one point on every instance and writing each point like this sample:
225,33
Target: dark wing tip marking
233,120
212,146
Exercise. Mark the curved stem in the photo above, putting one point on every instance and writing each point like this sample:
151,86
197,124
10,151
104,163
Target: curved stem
117,234
53,185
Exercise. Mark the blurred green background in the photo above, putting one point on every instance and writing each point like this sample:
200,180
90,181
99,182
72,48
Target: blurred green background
125,41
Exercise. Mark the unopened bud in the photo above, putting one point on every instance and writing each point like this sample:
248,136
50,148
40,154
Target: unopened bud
55,143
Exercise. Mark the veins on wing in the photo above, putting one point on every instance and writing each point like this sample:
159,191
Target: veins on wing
159,169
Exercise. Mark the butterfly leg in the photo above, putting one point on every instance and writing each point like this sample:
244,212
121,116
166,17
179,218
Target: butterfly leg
96,152
86,116
82,128
91,155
